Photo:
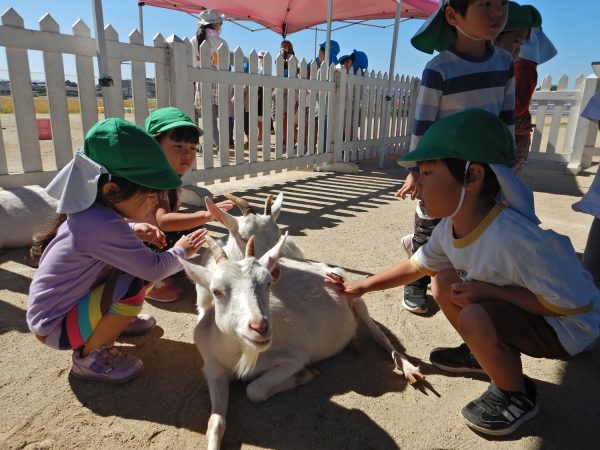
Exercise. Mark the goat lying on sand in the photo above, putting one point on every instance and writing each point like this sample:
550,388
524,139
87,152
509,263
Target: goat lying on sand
272,338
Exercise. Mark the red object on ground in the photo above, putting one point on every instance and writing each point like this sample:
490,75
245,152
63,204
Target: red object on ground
44,129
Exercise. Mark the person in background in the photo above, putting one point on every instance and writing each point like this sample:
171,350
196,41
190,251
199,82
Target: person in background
287,51
357,61
524,22
536,50
346,62
590,204
209,29
334,49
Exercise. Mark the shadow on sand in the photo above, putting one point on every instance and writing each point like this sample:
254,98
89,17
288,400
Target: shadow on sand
171,391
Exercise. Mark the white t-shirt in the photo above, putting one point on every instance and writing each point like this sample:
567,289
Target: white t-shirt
507,249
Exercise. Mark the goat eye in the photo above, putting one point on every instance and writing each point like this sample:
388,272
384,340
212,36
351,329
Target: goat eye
217,293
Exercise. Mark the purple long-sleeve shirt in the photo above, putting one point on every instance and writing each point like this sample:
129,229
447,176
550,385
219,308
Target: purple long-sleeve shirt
86,245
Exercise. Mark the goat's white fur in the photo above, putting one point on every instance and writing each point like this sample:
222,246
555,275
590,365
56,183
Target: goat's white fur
307,322
22,211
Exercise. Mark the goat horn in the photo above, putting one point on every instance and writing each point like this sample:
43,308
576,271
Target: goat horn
250,247
244,206
217,251
268,204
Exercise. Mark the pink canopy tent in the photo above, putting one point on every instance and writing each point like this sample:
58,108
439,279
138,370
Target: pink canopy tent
289,16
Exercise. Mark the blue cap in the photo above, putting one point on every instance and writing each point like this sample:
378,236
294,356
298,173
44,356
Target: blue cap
360,61
334,49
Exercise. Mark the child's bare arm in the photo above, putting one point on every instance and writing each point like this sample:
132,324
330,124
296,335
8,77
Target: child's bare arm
464,294
396,275
179,221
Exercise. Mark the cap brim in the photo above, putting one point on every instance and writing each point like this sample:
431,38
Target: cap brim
422,154
434,34
179,123
165,179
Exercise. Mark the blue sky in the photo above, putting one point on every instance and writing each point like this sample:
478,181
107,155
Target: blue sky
573,29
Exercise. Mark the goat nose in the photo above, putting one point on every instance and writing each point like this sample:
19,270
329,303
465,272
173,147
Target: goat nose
259,325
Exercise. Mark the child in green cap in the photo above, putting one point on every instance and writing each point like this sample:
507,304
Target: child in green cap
522,19
506,285
90,285
178,137
469,72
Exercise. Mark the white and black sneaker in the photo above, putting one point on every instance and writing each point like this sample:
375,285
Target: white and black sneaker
497,412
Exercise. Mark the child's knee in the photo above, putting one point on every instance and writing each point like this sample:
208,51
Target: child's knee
474,320
440,284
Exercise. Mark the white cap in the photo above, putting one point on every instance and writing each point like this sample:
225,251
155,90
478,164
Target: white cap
209,16
262,54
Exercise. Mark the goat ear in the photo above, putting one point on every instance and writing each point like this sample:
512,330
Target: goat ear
270,259
276,273
198,274
225,218
276,207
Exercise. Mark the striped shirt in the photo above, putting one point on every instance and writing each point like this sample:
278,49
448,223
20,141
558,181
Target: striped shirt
453,82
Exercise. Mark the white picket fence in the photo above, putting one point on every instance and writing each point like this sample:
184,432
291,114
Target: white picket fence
358,117
560,133
350,124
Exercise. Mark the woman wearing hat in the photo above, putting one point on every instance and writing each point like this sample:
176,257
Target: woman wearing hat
209,30
90,285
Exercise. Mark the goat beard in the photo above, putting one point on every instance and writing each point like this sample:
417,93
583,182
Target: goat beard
246,363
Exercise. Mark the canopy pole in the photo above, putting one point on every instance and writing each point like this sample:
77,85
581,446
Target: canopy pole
141,17
388,98
105,80
328,37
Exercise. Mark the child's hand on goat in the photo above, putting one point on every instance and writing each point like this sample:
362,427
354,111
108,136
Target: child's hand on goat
340,284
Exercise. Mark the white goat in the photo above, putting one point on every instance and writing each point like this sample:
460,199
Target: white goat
22,211
272,338
262,226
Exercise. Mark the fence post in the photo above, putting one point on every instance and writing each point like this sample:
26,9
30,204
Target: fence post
585,131
573,115
337,132
180,88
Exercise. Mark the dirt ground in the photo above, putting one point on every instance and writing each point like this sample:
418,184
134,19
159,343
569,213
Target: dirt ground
358,401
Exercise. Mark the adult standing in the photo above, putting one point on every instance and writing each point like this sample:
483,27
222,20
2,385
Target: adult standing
209,29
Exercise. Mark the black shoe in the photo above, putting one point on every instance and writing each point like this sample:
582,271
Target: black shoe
415,298
499,412
455,359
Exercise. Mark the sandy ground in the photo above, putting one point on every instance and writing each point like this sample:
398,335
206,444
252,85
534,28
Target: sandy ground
358,401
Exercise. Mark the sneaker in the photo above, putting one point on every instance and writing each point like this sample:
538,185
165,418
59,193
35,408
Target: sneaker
140,324
455,359
499,412
164,292
407,244
106,365
415,298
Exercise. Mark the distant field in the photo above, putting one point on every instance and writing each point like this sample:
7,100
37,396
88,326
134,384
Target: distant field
41,105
